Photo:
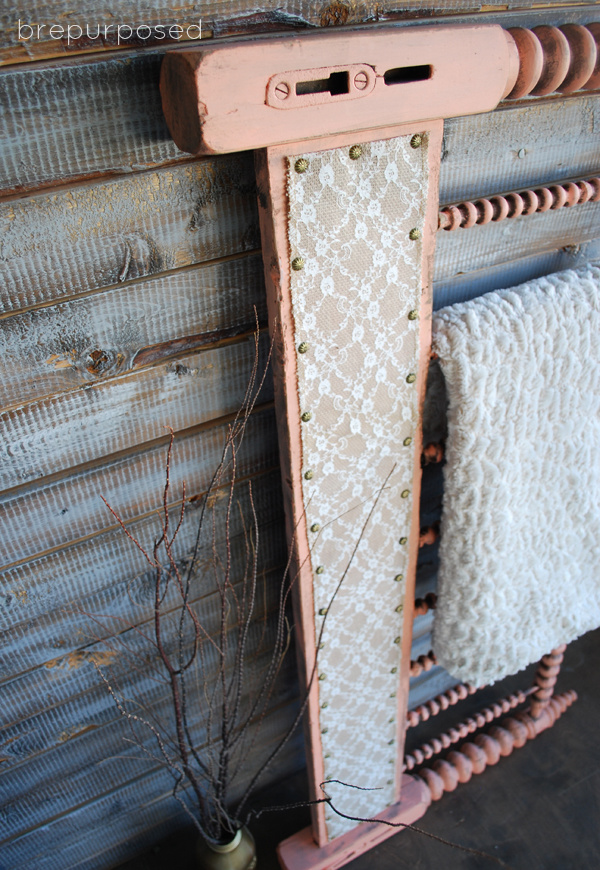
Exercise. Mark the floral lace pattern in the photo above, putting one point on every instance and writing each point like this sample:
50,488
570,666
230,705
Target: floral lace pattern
350,222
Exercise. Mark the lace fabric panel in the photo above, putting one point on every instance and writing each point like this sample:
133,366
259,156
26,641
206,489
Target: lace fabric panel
349,221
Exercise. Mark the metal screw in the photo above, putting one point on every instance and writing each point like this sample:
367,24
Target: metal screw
399,577
315,527
403,541
301,165
521,153
322,611
297,264
361,80
397,640
308,475
322,677
324,730
324,706
411,378
412,315
414,234
400,608
389,782
303,347
321,645
407,442
405,493
416,141
394,671
320,569
306,417
282,90
355,152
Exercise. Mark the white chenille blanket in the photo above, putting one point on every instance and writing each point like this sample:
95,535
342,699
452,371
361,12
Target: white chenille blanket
520,543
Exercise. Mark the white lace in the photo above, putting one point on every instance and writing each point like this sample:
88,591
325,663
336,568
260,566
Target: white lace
349,220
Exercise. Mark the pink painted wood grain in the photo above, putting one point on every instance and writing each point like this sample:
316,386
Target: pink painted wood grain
300,852
217,99
272,195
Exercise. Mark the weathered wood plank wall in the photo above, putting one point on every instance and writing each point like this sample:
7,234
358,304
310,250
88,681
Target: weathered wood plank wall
131,277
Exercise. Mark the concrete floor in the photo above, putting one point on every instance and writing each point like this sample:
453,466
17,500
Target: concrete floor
538,809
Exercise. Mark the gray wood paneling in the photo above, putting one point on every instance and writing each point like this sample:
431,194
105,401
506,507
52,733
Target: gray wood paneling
104,334
126,132
462,252
52,514
55,245
54,434
481,152
41,608
109,818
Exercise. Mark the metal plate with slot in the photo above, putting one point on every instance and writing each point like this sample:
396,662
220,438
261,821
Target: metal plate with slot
326,84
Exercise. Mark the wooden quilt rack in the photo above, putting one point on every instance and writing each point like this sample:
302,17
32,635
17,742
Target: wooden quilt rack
331,104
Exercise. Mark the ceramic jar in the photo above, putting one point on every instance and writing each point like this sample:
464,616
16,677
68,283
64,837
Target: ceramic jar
239,854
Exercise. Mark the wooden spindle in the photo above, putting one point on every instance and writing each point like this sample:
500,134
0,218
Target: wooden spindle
424,605
545,679
423,663
463,729
441,702
487,748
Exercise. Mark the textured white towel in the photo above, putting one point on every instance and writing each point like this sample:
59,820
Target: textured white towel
520,545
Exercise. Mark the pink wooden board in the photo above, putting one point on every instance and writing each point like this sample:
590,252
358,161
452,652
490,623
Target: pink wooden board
300,851
224,98
273,167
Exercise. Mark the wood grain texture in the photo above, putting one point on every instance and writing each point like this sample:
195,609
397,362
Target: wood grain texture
131,772
483,154
462,287
56,513
467,251
41,780
74,120
122,597
97,761
64,702
43,601
72,241
51,435
60,347
111,817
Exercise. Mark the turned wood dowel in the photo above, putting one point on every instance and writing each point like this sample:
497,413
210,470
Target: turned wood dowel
488,747
463,729
512,205
423,663
545,679
441,702
433,452
428,535
424,605
563,59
